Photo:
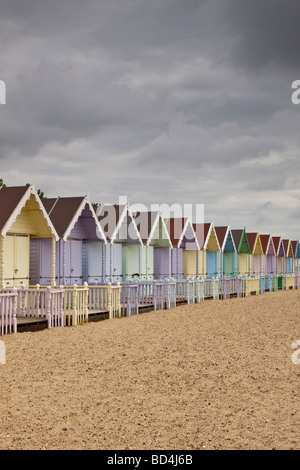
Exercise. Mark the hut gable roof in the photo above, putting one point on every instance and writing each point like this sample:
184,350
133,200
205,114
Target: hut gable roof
181,232
222,234
294,244
265,241
10,199
276,243
16,199
254,243
152,228
241,241
113,217
206,236
287,248
64,213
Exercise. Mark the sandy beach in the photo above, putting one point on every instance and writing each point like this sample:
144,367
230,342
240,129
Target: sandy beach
215,375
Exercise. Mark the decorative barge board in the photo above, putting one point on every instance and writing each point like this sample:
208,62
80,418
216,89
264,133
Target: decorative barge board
279,248
185,248
156,252
243,252
208,265
23,218
227,251
256,253
123,251
79,251
288,262
269,255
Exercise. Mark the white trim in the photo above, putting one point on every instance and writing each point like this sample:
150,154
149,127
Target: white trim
31,190
85,201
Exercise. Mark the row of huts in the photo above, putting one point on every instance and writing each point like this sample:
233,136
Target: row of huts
67,240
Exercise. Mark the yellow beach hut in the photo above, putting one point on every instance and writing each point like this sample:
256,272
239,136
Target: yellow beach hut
256,255
209,254
22,217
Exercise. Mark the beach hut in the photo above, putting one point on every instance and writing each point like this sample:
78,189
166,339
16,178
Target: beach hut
209,254
227,251
156,252
243,252
184,253
269,255
124,242
279,248
256,253
23,219
79,251
295,247
288,260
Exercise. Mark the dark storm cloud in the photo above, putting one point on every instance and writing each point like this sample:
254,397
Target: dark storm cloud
264,32
161,100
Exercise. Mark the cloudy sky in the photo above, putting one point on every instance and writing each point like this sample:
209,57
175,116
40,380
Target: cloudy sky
163,101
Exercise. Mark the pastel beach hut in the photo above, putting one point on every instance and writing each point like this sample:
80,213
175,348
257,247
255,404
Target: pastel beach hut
23,219
243,252
295,247
256,253
157,246
209,253
227,251
122,259
269,255
288,259
279,248
80,248
184,253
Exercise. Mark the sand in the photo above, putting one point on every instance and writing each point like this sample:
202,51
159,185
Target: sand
215,375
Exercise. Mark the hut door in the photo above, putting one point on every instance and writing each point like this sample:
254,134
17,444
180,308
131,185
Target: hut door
9,264
76,261
45,262
95,262
21,261
16,267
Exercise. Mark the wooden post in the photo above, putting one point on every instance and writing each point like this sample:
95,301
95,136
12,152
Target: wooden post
48,306
53,284
103,263
109,300
2,281
85,301
74,302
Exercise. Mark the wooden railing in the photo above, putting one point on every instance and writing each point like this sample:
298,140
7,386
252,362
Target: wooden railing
105,298
8,312
37,302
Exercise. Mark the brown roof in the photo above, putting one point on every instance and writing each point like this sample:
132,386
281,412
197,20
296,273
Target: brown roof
251,237
264,242
175,226
276,241
10,197
221,232
294,246
61,211
201,231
